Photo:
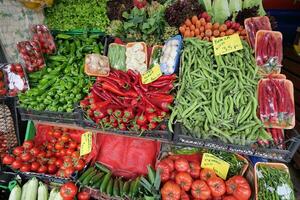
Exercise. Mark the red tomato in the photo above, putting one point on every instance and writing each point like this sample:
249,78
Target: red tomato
35,151
182,165
173,175
184,180
28,144
16,164
52,169
52,160
69,152
69,171
35,166
59,145
42,169
50,146
59,162
200,190
50,133
75,154
206,173
65,138
170,163
8,159
79,165
18,150
68,191
72,145
25,168
26,156
57,133
60,173
195,169
164,171
239,187
217,186
229,198
83,196
49,154
63,152
184,195
170,191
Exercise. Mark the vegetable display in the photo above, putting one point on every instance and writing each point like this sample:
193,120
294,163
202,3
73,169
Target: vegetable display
273,181
276,105
203,29
182,178
31,53
136,57
117,56
216,89
89,14
120,101
58,156
42,34
63,83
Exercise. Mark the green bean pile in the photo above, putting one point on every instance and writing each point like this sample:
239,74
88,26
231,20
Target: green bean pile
274,184
217,94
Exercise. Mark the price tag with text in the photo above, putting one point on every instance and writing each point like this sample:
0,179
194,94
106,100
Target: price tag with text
151,75
218,165
227,44
86,143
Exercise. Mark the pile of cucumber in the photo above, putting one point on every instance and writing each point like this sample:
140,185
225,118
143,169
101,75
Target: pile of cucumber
100,177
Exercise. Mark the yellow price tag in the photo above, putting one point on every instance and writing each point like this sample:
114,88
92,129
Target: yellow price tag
151,75
218,165
86,143
227,44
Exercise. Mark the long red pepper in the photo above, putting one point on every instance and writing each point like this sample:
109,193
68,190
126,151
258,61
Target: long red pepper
113,89
161,97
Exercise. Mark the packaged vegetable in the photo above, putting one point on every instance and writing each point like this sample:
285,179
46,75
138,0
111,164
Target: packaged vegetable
155,56
136,57
169,61
273,180
42,34
32,55
117,56
254,24
16,79
3,87
268,51
276,103
96,65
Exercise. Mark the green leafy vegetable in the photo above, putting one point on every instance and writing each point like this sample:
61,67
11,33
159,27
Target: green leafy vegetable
220,11
235,6
252,3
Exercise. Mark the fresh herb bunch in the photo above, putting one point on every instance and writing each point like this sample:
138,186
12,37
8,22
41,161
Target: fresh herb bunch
77,14
115,9
244,14
178,12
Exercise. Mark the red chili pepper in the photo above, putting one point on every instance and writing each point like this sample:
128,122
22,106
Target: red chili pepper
97,91
144,97
84,103
112,119
160,84
100,113
114,89
143,128
111,79
163,127
164,90
161,113
152,125
115,124
90,113
113,98
141,120
150,109
133,76
261,101
151,117
162,97
122,127
143,87
128,113
100,104
124,76
160,103
274,134
125,120
167,77
118,113
106,119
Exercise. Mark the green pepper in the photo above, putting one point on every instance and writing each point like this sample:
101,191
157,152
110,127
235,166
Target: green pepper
63,36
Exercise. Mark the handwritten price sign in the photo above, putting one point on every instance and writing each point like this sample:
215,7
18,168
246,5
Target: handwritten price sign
227,44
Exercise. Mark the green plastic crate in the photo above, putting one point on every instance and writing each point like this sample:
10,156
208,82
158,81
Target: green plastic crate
30,130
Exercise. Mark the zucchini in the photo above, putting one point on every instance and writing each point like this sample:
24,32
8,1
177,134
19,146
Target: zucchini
102,167
16,193
42,191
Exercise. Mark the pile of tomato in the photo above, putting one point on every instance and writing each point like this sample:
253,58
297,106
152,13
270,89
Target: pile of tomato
184,180
59,156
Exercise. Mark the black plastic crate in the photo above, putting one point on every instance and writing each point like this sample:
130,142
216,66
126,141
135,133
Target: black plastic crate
283,155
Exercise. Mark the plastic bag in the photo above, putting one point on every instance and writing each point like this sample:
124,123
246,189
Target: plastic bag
169,61
125,156
3,86
136,57
42,34
96,65
37,4
16,79
276,103
32,55
268,51
155,56
254,24
117,56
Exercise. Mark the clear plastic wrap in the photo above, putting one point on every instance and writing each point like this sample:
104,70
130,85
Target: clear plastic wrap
155,56
268,51
169,61
42,34
254,24
136,57
3,86
16,79
117,56
96,65
276,103
36,4
32,55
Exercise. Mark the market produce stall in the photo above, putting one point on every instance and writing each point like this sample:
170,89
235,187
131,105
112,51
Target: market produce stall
151,100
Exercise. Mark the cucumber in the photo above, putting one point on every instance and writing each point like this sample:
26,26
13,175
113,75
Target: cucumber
104,183
85,174
98,183
89,177
121,185
126,187
15,193
96,178
109,188
102,167
116,191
